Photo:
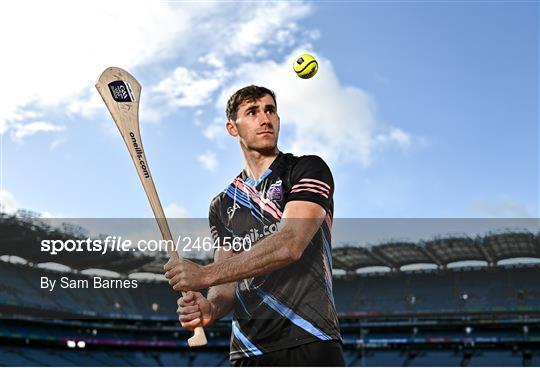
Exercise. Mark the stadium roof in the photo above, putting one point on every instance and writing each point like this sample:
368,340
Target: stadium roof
22,237
440,251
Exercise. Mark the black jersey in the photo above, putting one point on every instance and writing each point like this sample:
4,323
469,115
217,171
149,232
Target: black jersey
293,305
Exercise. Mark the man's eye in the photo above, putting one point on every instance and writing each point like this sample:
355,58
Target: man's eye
270,111
251,113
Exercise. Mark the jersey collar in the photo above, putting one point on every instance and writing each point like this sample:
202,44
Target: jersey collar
254,182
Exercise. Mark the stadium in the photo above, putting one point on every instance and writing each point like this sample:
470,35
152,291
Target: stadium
468,315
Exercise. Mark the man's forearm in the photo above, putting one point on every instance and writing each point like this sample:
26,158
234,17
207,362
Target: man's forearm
300,222
221,298
271,253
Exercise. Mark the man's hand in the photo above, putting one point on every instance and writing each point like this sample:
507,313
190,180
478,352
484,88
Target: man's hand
194,308
185,275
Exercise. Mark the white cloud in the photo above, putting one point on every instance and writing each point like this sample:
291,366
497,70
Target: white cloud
56,143
175,211
395,136
321,115
60,47
501,208
213,130
188,88
268,24
21,131
273,23
8,203
86,106
212,60
208,160
216,128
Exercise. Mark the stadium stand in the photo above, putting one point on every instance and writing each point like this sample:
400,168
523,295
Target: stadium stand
382,358
443,316
486,358
446,291
433,358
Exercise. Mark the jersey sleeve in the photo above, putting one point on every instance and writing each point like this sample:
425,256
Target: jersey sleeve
311,180
217,228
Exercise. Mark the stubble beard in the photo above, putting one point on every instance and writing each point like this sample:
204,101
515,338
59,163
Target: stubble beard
265,148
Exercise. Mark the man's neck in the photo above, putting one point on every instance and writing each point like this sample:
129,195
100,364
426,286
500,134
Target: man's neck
256,163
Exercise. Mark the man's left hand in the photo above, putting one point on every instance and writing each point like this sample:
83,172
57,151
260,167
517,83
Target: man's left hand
185,275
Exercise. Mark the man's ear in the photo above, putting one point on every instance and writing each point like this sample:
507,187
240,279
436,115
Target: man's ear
231,128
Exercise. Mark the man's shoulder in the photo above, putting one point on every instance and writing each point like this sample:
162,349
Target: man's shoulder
217,199
306,162
221,196
293,159
311,159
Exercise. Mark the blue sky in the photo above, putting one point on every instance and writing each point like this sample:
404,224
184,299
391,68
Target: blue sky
422,109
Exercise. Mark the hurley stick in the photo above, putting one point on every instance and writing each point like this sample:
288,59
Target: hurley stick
121,93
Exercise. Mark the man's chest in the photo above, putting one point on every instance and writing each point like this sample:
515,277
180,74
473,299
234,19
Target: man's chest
249,205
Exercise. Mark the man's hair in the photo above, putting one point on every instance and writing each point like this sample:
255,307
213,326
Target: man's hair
249,93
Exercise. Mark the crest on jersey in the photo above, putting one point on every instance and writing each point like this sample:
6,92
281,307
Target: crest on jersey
275,192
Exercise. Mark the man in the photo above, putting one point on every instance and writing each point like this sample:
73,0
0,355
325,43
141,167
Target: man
280,290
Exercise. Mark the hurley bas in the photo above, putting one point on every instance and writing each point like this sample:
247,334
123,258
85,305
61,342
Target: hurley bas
95,283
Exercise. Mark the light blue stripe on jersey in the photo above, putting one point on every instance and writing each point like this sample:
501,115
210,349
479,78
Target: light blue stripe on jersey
238,195
258,181
242,198
242,350
248,344
291,315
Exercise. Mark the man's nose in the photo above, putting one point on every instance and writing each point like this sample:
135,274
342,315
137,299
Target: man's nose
264,120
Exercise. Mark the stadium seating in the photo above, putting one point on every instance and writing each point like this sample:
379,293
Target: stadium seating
383,358
501,358
451,291
10,356
434,358
27,356
379,320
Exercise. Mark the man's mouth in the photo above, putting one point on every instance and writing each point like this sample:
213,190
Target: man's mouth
266,132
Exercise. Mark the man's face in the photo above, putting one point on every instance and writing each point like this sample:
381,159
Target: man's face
256,125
